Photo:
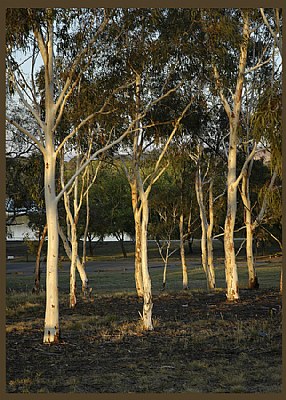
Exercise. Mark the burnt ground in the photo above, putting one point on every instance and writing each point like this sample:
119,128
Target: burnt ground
201,343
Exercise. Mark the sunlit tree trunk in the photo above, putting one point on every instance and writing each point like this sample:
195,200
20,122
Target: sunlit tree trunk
87,218
79,265
229,249
74,255
206,232
252,276
233,113
147,292
52,330
182,252
137,222
210,239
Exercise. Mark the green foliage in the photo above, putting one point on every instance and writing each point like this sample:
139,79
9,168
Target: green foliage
266,122
110,204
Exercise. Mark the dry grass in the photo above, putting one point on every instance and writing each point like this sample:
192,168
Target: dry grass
201,343
209,346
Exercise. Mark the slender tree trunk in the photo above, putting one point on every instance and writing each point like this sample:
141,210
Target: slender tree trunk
211,269
164,275
165,258
121,241
74,256
36,288
138,255
147,294
204,228
182,253
79,265
86,227
90,246
252,277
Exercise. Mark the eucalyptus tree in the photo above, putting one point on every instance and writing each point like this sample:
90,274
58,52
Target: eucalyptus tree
229,37
65,42
147,60
261,120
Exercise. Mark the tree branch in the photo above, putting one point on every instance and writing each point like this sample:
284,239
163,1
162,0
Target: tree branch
27,133
277,41
246,162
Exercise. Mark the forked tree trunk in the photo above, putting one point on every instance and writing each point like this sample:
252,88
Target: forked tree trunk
182,253
79,265
165,257
52,326
233,114
205,240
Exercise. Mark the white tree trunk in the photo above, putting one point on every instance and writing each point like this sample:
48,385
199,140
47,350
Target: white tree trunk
165,275
52,330
210,241
79,265
85,229
232,181
74,256
205,230
252,277
182,253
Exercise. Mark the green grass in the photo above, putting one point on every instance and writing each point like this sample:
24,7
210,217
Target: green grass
123,281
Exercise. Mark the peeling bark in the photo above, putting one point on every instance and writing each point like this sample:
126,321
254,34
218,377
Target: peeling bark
137,222
148,304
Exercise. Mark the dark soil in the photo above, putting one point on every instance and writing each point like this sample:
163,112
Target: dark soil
201,343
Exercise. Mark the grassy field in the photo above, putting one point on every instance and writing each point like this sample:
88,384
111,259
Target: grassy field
201,343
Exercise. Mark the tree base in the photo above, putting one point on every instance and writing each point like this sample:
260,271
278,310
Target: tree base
51,336
253,283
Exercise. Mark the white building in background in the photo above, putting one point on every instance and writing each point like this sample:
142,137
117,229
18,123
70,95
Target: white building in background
19,229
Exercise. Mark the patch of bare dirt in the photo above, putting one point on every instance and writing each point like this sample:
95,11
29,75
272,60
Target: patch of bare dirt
201,343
